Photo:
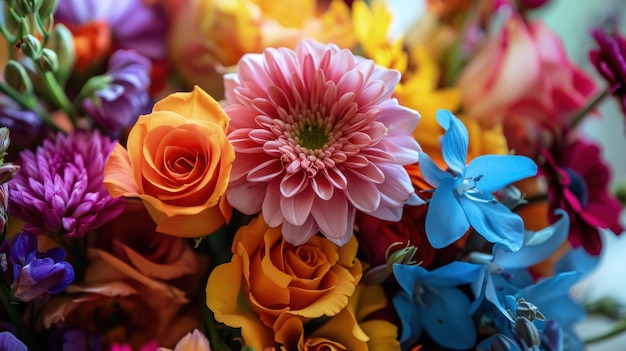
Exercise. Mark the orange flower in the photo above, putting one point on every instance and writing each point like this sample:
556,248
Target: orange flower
268,277
177,162
334,335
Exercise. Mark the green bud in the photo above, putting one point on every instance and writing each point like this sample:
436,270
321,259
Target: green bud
47,8
27,7
16,77
50,62
61,41
4,140
31,47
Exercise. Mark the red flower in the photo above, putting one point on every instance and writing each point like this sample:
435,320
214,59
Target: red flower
578,183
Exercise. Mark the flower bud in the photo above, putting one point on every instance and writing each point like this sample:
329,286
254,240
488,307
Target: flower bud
61,41
50,62
526,330
7,172
47,8
4,140
31,46
26,7
16,77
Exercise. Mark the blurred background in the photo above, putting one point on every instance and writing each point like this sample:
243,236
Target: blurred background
572,19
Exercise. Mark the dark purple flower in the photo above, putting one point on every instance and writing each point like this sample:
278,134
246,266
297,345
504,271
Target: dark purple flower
8,341
118,105
25,123
133,24
578,184
609,60
59,190
34,272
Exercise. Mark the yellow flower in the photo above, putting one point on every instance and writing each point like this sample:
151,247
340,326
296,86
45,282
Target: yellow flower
382,335
268,278
208,37
178,162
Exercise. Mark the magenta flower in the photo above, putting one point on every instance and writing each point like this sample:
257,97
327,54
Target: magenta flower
609,60
59,190
579,185
317,136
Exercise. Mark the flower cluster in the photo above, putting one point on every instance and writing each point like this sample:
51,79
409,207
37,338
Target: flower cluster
298,175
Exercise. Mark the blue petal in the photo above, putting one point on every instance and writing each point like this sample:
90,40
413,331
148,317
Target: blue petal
446,319
409,316
430,171
453,274
454,141
499,171
577,260
533,252
407,275
446,221
552,298
495,222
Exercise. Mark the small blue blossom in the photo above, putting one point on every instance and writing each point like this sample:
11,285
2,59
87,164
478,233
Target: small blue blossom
463,194
431,301
34,272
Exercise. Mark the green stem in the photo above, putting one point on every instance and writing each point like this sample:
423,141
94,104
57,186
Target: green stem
56,93
617,329
582,114
29,103
23,333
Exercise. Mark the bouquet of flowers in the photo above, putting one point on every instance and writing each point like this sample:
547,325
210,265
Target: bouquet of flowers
298,175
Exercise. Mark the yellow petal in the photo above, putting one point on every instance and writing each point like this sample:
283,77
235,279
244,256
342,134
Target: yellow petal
196,104
225,297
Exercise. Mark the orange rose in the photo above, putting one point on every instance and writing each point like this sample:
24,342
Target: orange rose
177,162
268,278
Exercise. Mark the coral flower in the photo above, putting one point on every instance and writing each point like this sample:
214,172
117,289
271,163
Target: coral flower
317,136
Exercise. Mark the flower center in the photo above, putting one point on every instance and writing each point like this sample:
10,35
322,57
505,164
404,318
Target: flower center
468,189
312,137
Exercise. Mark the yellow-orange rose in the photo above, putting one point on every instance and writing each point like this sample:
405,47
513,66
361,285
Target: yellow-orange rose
178,162
268,278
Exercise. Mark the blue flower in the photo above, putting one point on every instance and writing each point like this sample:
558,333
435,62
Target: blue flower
463,194
430,300
34,272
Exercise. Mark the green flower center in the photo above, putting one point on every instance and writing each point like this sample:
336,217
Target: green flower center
312,137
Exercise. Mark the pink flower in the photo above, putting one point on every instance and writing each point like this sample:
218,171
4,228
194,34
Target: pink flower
317,136
523,64
193,341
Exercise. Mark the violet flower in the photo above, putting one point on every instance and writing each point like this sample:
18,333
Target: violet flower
25,123
609,60
133,24
59,190
9,341
118,105
34,272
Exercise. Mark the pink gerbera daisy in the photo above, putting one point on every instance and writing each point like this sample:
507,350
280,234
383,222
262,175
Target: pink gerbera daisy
317,136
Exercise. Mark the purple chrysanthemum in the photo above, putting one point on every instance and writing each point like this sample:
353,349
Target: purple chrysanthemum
317,136
59,190
118,105
34,272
